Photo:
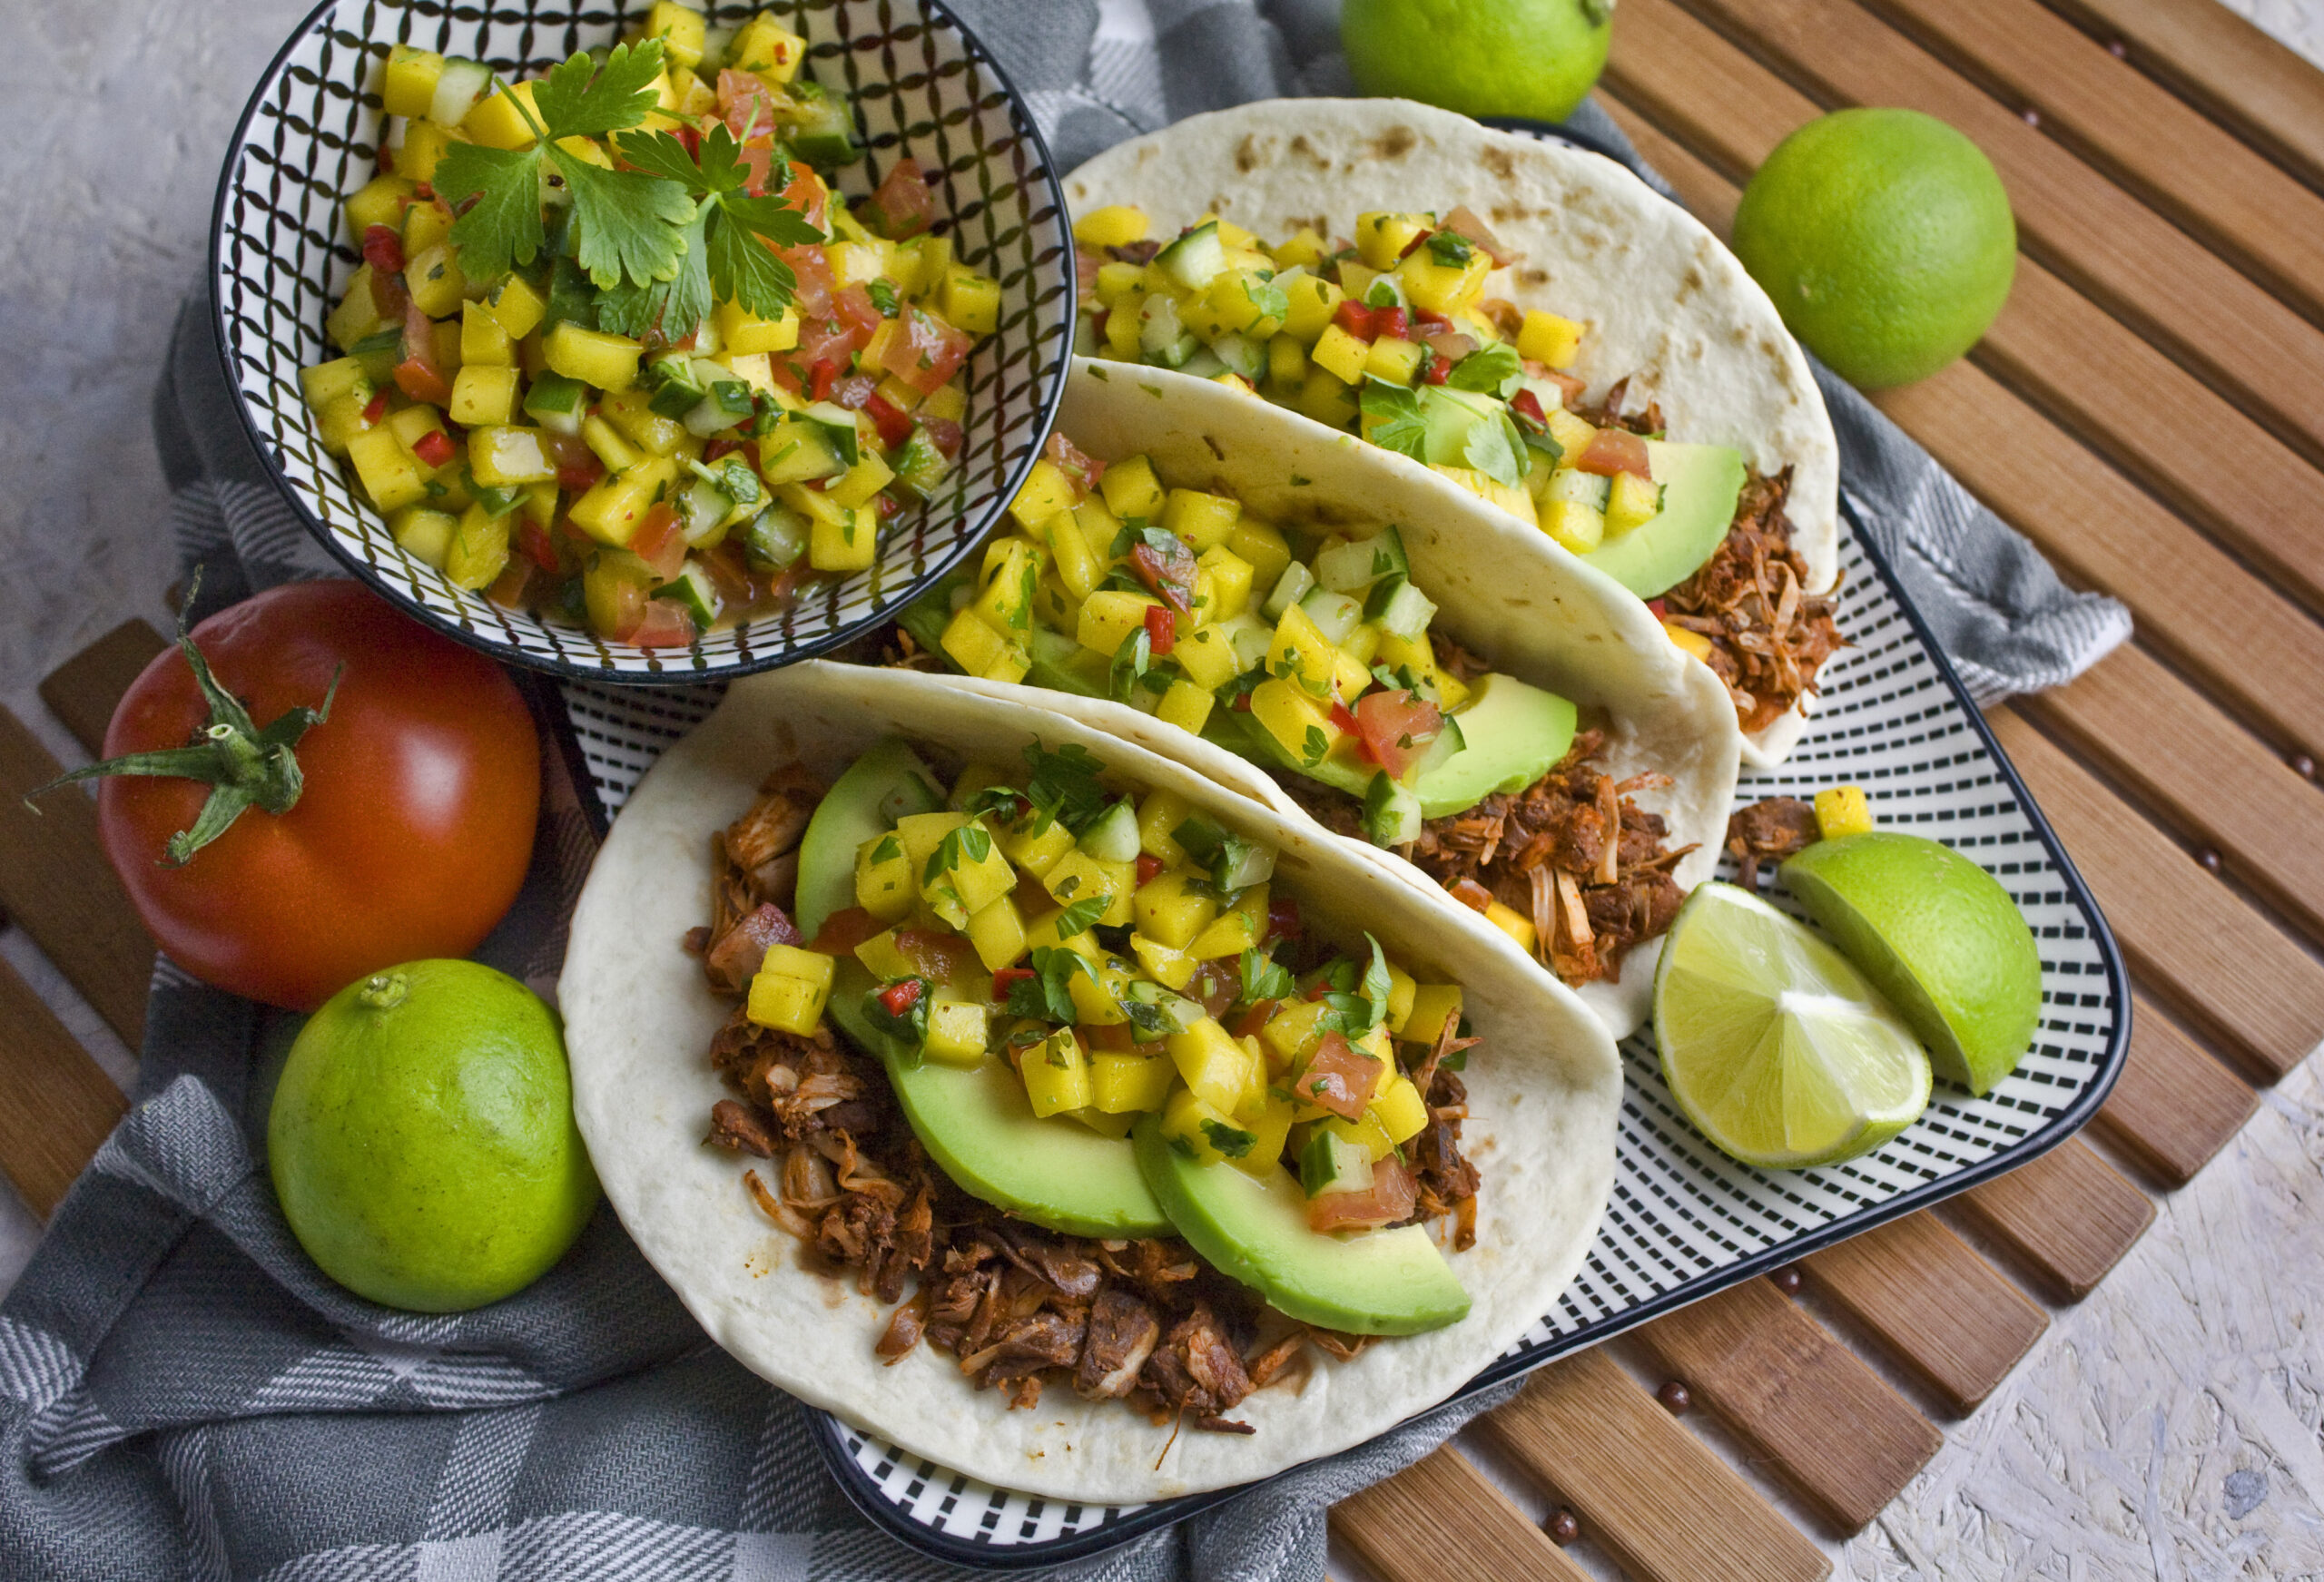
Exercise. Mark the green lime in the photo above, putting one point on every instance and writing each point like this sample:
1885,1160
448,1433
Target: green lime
1777,1050
1534,58
422,1140
1886,239
1940,937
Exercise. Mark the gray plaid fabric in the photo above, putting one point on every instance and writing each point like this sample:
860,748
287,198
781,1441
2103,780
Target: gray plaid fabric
183,1395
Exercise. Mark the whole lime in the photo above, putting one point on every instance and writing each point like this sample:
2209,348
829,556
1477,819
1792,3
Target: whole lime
422,1141
1533,58
1886,239
1939,936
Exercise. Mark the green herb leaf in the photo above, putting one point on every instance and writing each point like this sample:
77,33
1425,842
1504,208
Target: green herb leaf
1044,995
1264,977
883,293
1131,661
1080,915
631,225
1376,983
1231,1141
1495,369
1492,449
888,850
1312,747
501,226
1450,248
1064,786
579,98
667,309
1271,300
1397,424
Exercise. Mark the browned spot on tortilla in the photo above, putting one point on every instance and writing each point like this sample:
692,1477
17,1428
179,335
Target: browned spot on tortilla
1146,153
1771,350
1246,153
1502,213
1307,151
1395,142
1500,162
1217,451
1691,284
1320,513
1534,277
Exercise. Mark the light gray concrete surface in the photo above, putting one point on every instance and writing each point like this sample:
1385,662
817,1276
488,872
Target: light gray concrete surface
2168,1426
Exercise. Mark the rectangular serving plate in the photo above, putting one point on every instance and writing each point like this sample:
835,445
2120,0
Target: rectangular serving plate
1684,1221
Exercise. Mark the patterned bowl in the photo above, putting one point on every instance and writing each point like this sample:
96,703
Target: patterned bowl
923,86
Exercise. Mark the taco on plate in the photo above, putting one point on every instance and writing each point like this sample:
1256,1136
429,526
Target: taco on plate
1029,1100
1496,718
1520,320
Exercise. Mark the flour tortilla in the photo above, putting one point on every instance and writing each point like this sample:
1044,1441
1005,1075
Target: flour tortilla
1543,1093
1660,300
1503,590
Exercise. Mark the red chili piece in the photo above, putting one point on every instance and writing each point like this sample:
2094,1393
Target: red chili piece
1161,629
1357,319
900,998
1282,917
1007,976
1149,867
383,249
434,447
1393,323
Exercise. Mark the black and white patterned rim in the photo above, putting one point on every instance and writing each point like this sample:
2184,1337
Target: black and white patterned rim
922,84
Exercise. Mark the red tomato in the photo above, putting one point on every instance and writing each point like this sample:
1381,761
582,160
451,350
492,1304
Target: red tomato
1528,405
945,957
1343,720
1398,728
660,543
419,375
1008,978
1613,451
1260,1014
893,423
805,191
1338,1077
1388,1201
842,931
1161,630
1075,463
1169,573
383,249
928,353
901,204
746,103
1282,917
665,623
1393,323
812,268
854,392
434,447
1150,868
945,435
1357,319
409,838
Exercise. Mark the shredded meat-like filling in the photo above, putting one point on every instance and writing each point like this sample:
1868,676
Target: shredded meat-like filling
1142,1322
1571,852
1767,832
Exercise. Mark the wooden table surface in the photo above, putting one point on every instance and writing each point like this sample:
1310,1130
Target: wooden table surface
2029,1379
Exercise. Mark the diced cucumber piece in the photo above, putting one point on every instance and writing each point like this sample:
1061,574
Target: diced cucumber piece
378,352
1406,612
1291,587
1391,814
462,83
556,403
1113,837
1356,565
1171,1013
838,424
1195,260
1449,741
701,508
1334,614
921,466
1162,340
695,592
1331,1163
496,502
824,135
1579,488
1242,355
776,539
727,404
676,384
1241,863
1387,292
1249,636
1202,363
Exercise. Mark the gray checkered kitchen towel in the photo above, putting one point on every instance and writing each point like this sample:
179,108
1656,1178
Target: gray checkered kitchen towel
183,1395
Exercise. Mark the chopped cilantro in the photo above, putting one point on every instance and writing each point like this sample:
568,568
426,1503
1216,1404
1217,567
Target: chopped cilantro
1450,248
1264,977
1312,747
969,843
888,850
1064,787
1131,662
1044,993
1395,421
882,292
1080,916
1231,1141
1495,369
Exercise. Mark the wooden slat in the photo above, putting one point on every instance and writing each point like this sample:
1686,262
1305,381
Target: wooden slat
2240,76
82,691
55,884
2182,164
1440,1520
1649,1493
1804,1403
1942,1311
2220,787
2174,1106
2145,270
2226,626
2068,1214
56,1105
2194,944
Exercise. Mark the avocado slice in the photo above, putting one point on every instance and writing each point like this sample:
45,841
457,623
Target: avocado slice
977,1126
1513,735
1700,484
974,1121
1255,1230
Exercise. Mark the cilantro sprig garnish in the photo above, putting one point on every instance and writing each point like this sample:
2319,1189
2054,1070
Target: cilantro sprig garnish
629,221
724,228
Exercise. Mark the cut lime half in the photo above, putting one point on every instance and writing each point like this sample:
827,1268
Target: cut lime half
1779,1051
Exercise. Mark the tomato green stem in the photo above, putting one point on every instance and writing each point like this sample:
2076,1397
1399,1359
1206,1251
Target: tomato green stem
243,765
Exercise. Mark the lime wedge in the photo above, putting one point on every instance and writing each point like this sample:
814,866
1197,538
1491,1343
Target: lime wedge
1778,1050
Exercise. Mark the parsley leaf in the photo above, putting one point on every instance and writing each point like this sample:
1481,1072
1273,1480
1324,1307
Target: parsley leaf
1044,995
666,308
732,225
1131,661
883,297
1312,747
1231,1141
1493,448
1271,300
1450,248
1264,977
1080,915
1064,788
1376,983
580,99
1395,421
969,843
501,228
1495,369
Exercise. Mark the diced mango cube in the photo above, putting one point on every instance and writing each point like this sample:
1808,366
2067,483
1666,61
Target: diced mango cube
1511,923
592,356
386,469
483,394
969,301
850,544
1077,876
1550,338
1131,489
958,1032
1169,910
1842,809
790,990
424,534
1202,1131
1109,616
1044,492
1203,520
1382,237
1395,360
497,121
1115,225
885,884
479,550
765,47
1056,1074
1159,815
681,30
1036,853
1187,706
408,86
1216,1067
1128,1083
998,932
1292,1033
1341,354
1301,723
1400,1109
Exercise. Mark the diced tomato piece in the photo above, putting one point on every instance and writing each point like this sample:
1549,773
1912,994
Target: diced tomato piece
944,958
928,353
892,421
1241,705
1344,721
1216,983
1076,464
507,589
1261,1012
1388,1201
945,435
419,375
1338,1077
660,543
843,930
1114,1038
1573,388
720,448
1161,629
577,466
1398,728
1149,867
667,624
535,544
1435,367
1282,917
690,139
1432,323
1393,323
805,191
757,160
886,504
901,204
390,299
747,105
824,377
1007,976
900,997
383,249
855,309
811,269
1169,574
1085,273
1528,407
434,447
729,574
377,409
854,392
1470,894
1415,245
1659,608
1615,451
1355,318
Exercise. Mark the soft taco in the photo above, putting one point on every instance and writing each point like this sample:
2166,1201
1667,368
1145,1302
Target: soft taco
1243,1152
1194,569
1526,323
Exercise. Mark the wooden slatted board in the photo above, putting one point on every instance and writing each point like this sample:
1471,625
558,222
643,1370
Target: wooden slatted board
2149,410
